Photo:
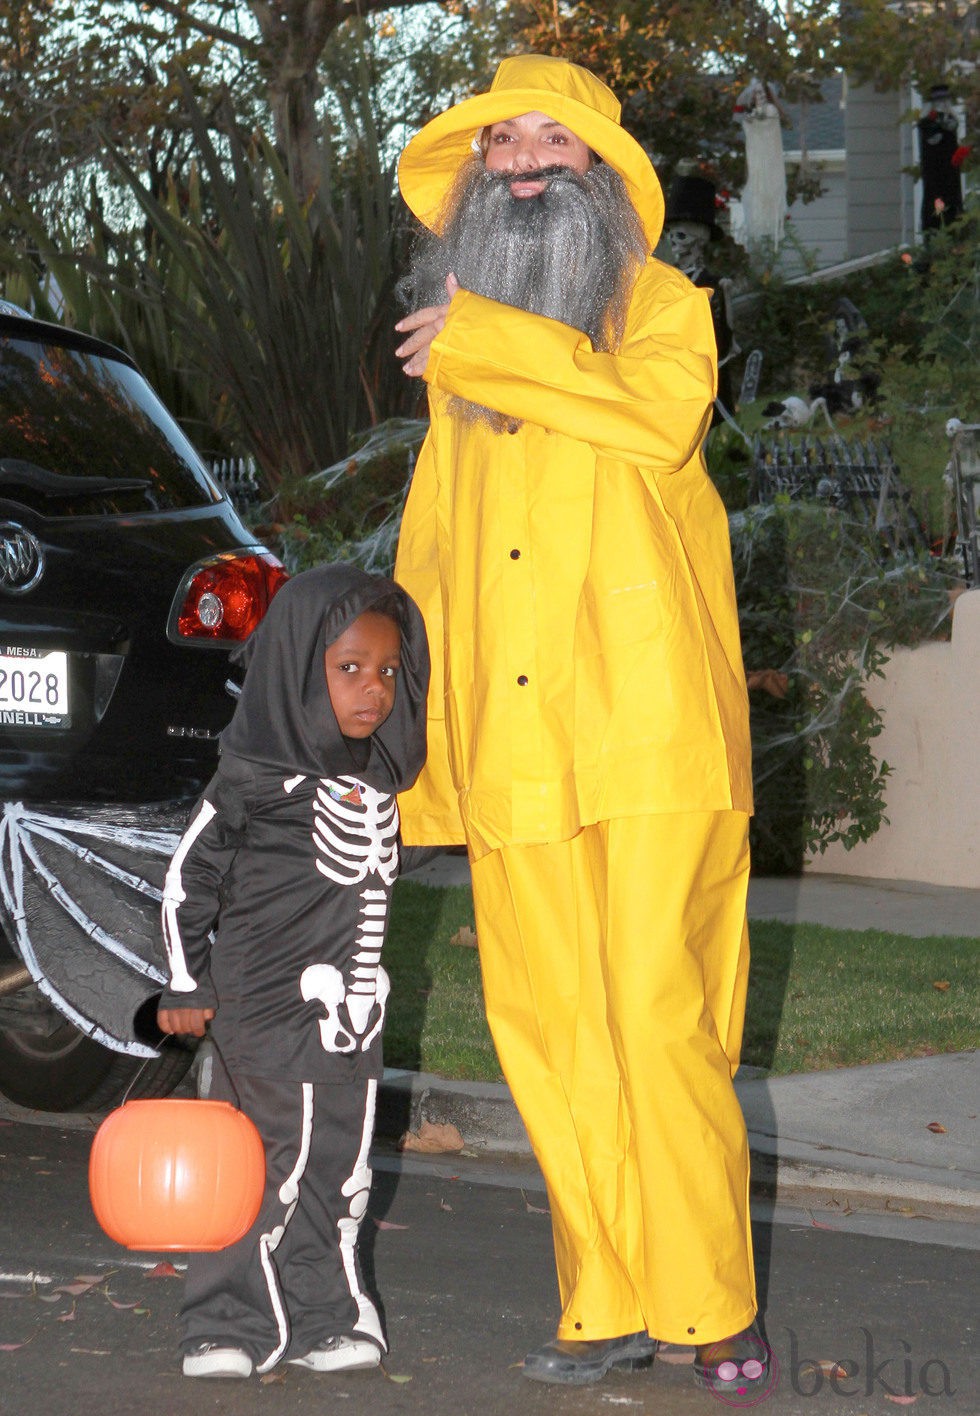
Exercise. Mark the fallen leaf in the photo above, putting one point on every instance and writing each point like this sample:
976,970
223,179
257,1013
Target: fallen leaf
123,1307
465,938
817,1225
532,1209
80,1285
827,1367
90,1351
396,1377
941,984
900,1209
444,1206
432,1138
163,1270
937,1128
387,1224
272,1379
901,1400
68,1317
16,1346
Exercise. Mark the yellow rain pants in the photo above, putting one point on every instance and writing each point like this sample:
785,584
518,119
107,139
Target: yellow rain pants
614,969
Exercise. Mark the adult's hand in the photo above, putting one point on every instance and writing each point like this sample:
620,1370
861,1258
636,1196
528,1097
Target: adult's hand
422,326
184,1020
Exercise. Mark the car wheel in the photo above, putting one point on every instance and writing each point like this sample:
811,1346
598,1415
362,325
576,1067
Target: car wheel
66,1071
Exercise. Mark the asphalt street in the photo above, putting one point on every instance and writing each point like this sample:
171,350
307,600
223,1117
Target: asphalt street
859,1323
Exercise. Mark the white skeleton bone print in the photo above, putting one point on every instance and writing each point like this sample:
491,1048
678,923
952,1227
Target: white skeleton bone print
356,835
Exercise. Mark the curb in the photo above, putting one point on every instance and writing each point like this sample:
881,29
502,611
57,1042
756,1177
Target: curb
490,1123
483,1112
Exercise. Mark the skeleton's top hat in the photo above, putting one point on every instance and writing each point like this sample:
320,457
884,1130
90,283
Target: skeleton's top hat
692,199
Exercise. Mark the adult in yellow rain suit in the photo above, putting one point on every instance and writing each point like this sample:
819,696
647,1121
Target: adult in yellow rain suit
588,740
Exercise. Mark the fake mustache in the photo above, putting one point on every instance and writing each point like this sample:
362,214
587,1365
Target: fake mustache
554,172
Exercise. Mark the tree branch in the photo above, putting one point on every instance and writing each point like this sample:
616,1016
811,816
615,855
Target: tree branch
205,27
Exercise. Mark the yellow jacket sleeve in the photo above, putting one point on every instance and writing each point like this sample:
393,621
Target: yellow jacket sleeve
646,403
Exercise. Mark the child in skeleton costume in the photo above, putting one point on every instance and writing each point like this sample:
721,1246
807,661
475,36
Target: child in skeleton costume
289,858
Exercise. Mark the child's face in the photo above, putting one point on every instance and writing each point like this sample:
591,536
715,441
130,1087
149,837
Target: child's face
361,668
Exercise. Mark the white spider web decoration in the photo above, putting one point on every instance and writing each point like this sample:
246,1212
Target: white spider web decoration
80,902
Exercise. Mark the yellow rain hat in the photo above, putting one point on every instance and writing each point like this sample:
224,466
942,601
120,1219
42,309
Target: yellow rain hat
529,83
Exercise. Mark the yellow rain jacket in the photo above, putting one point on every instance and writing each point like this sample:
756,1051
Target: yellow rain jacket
575,578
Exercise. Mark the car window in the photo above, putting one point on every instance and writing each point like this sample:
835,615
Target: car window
82,434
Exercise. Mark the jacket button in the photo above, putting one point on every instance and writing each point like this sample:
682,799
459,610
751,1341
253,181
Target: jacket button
522,679
515,555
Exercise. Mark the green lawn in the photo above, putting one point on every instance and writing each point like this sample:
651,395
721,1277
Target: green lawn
818,997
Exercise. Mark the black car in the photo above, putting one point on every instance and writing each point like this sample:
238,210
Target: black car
125,578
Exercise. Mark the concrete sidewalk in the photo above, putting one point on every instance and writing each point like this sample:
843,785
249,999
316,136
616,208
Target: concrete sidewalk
842,901
896,1138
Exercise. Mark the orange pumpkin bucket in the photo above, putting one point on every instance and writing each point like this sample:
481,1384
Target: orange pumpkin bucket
176,1174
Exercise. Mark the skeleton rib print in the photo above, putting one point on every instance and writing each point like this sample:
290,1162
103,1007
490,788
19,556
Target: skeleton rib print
356,831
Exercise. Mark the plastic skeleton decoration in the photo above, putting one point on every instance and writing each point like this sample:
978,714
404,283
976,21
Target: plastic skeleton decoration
688,241
795,413
355,832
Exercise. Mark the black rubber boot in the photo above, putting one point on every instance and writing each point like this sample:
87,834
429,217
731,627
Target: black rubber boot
581,1363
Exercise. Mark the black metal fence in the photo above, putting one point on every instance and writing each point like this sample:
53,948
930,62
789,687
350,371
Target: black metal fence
963,480
855,475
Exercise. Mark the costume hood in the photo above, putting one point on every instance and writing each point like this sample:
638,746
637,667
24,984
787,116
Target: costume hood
529,83
284,718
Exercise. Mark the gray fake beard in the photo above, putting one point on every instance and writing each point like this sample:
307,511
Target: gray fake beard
571,253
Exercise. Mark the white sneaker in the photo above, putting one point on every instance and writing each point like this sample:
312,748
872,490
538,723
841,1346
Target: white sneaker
210,1359
340,1354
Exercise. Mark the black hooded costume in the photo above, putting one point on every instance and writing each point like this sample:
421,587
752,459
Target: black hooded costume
293,847
289,858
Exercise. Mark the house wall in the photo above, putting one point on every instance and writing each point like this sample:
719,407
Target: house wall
818,227
878,192
930,701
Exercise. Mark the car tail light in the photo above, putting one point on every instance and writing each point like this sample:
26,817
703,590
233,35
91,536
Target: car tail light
223,599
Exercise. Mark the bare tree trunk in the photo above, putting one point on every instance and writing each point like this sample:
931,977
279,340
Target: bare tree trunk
294,33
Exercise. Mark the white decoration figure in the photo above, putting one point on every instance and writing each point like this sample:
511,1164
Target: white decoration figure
764,193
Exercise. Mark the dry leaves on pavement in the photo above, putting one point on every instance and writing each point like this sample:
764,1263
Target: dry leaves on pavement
433,1138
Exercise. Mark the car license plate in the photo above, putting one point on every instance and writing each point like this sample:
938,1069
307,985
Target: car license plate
33,688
